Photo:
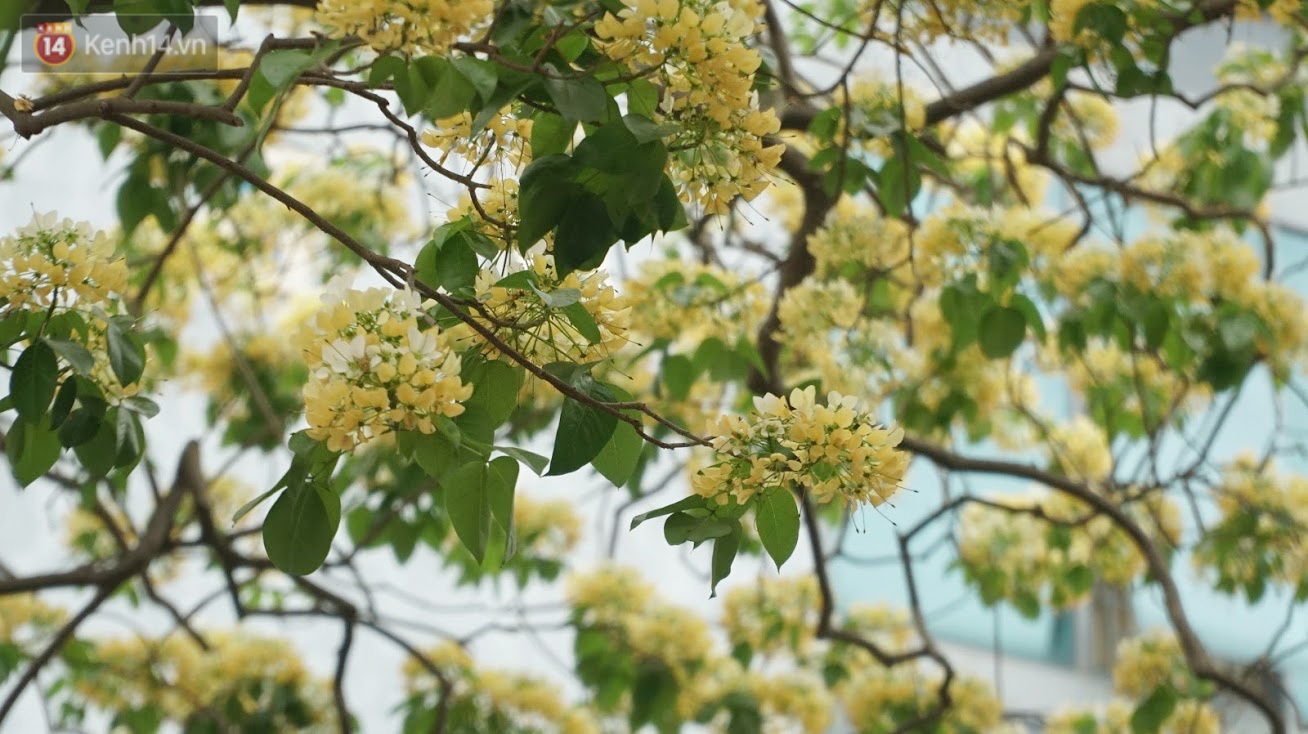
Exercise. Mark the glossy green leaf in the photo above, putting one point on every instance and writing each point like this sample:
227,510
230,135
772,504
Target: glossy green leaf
126,354
33,380
298,531
618,459
496,388
1151,713
725,549
534,461
777,517
583,429
468,504
32,449
581,99
693,502
74,354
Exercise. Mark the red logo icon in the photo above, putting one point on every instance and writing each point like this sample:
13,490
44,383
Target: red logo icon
54,43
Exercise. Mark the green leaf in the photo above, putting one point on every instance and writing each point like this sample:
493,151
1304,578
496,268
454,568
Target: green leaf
107,138
646,130
33,380
496,392
126,354
233,7
897,184
560,298
550,134
1032,314
452,92
501,481
534,461
467,502
138,199
480,74
583,429
136,16
724,553
98,452
384,68
681,527
1149,716
32,449
1001,331
298,532
618,459
678,375
1105,19
447,260
693,502
280,69
581,99
642,98
129,438
584,236
777,516
246,508
544,194
63,403
1155,320
74,354
583,322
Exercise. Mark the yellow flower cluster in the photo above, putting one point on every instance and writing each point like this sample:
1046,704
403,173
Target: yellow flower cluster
1281,11
1148,386
775,614
706,72
1016,555
833,451
953,241
609,592
21,614
1062,21
954,19
212,371
881,699
497,217
533,317
1150,660
1189,717
374,368
505,141
363,193
413,27
788,702
888,627
1260,535
1202,270
1080,447
239,675
616,600
546,529
532,705
827,337
855,234
687,302
992,164
874,113
992,385
1091,116
54,264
